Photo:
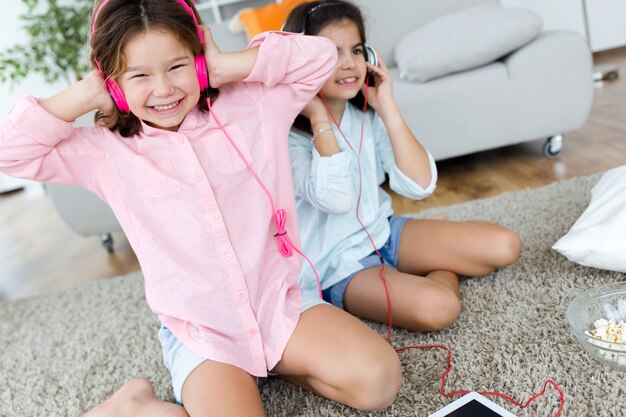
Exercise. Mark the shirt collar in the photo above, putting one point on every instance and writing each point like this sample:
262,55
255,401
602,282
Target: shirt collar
187,127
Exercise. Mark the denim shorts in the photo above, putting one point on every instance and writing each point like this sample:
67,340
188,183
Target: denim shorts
389,251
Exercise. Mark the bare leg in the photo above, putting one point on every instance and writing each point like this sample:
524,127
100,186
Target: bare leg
472,248
136,399
218,389
424,291
212,389
418,303
338,357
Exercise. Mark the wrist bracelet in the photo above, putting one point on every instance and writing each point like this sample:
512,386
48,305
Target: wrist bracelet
319,132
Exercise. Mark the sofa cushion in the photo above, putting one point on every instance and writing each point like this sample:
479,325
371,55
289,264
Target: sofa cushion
598,238
464,39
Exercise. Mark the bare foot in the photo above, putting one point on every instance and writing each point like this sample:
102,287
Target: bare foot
135,392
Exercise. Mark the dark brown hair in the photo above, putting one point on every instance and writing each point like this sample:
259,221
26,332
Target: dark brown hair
117,23
312,17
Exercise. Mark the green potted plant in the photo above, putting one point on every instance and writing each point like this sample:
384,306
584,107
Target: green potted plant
57,48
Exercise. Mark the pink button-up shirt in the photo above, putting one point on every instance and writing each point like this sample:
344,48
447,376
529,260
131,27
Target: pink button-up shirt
201,226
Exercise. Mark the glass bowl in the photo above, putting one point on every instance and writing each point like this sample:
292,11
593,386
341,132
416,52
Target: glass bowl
604,302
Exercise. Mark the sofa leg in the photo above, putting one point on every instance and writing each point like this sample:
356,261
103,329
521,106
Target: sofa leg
107,242
553,146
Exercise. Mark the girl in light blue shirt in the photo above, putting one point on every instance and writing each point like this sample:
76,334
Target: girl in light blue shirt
340,155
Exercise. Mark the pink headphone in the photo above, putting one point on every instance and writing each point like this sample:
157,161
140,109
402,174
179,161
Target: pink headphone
199,61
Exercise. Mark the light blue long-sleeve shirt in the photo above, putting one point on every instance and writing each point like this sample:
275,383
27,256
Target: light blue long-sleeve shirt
327,190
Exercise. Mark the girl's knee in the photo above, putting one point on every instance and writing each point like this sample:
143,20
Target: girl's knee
377,383
437,309
507,247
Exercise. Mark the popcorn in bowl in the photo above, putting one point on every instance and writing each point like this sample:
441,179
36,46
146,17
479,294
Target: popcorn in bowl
597,319
610,337
608,330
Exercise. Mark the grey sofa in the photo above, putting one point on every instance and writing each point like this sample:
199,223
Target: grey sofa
541,90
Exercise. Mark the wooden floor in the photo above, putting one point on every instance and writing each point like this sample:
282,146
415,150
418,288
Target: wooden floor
39,253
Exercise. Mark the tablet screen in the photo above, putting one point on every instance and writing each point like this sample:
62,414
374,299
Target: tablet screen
473,409
472,405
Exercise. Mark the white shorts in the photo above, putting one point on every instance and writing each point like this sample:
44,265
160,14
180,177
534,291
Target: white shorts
181,361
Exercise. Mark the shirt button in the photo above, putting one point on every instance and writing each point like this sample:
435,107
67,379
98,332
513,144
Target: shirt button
251,333
214,217
181,140
241,294
228,257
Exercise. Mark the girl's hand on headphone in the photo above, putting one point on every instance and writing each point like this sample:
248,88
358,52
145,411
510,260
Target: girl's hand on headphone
212,54
381,94
98,91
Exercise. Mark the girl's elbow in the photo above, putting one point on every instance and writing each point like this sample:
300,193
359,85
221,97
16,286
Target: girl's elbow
327,49
326,56
423,195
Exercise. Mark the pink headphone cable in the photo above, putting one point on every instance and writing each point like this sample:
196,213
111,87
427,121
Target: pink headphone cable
285,245
358,202
389,311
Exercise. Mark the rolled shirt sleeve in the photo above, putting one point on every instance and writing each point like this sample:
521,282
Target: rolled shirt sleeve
398,181
38,146
298,62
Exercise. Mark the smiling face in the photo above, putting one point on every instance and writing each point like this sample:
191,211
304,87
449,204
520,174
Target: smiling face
159,82
349,76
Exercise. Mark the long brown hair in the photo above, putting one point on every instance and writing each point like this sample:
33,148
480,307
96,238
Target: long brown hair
117,23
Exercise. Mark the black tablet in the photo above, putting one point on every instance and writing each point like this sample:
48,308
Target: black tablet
472,405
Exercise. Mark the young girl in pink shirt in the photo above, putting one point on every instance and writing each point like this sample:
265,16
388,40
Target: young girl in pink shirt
200,180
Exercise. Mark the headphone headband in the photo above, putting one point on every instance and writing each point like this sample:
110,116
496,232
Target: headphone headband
195,21
320,5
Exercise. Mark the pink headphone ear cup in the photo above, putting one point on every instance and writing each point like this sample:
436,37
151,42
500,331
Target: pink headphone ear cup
118,96
202,72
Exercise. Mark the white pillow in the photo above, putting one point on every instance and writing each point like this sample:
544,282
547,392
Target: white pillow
598,238
465,39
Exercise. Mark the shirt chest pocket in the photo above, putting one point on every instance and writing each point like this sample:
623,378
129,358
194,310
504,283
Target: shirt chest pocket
156,179
226,157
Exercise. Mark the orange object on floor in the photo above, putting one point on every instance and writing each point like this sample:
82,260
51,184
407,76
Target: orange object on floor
269,17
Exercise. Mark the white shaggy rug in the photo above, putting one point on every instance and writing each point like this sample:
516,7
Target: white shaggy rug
64,352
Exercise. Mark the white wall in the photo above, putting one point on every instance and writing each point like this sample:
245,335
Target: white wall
607,23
